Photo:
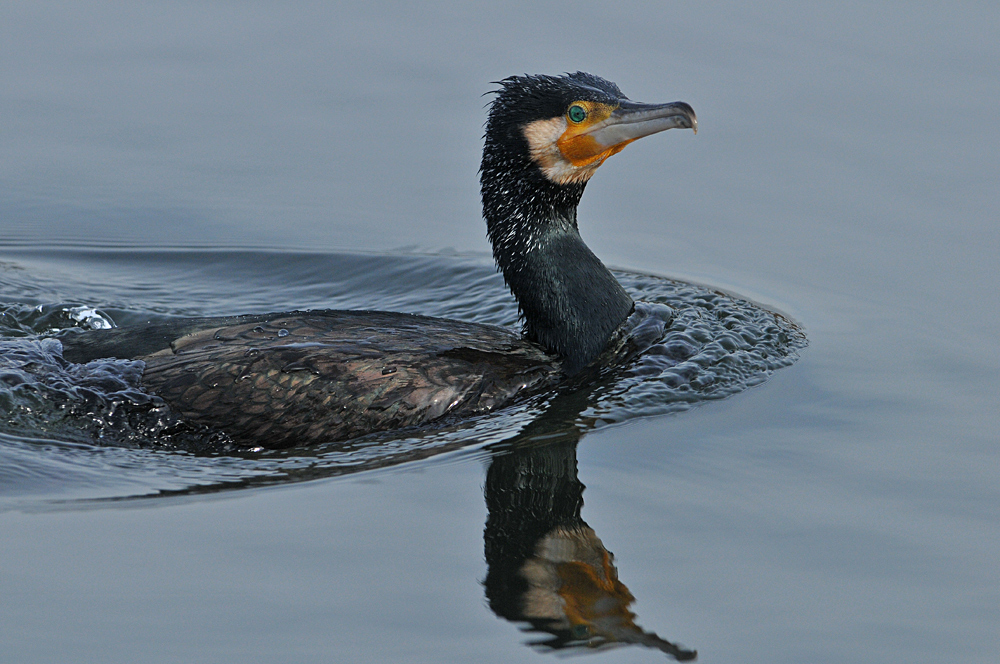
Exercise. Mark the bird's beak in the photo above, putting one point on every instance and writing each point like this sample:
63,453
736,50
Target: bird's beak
588,146
632,120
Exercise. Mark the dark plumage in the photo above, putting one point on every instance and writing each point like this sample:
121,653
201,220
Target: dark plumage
570,302
283,379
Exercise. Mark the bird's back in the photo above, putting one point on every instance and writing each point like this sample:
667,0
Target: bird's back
279,380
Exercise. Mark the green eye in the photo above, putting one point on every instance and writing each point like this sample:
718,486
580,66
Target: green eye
577,113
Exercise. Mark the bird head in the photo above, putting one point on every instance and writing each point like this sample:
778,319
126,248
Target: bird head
569,125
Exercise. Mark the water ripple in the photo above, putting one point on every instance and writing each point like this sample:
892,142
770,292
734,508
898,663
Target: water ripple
73,431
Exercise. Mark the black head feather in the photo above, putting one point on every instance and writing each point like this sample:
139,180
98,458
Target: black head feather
522,99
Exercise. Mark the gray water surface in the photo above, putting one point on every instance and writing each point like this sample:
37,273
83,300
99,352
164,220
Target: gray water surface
844,175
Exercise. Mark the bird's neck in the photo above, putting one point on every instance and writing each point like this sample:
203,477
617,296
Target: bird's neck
571,303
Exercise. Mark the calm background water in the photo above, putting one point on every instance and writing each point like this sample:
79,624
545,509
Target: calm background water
845,173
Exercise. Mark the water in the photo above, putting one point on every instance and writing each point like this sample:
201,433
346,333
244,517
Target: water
844,175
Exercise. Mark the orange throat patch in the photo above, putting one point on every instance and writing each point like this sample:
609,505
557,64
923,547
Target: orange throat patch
565,152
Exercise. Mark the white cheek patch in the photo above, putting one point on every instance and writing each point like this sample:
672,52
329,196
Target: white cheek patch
542,136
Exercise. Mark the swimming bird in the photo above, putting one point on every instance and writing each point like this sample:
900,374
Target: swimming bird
285,379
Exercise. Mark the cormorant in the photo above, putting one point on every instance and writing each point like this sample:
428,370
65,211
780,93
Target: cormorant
284,379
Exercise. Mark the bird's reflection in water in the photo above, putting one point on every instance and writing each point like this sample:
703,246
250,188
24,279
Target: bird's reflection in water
546,567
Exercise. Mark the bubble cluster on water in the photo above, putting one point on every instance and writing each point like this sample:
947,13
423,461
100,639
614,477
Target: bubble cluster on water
100,402
17,320
691,344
